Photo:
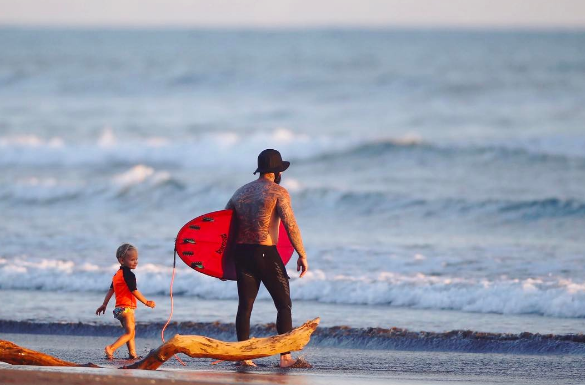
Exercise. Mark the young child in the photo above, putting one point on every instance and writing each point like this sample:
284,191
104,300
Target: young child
124,286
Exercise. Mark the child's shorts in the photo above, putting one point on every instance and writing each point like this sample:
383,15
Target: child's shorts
120,311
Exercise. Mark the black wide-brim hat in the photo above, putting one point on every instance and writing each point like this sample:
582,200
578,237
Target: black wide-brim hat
270,160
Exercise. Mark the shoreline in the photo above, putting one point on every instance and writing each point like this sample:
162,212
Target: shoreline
18,307
344,337
339,365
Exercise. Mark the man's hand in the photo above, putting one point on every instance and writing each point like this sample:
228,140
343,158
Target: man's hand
101,309
302,266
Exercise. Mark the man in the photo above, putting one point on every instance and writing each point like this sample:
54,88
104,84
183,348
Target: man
259,206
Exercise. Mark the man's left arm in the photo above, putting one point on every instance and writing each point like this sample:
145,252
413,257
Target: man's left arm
287,216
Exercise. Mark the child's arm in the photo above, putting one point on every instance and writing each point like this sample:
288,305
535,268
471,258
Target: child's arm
141,298
102,309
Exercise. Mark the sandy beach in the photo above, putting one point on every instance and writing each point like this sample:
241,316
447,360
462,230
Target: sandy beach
331,365
82,376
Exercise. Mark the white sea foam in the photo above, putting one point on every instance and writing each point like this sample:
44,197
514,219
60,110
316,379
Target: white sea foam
545,295
292,184
30,140
227,149
107,138
140,174
41,190
219,149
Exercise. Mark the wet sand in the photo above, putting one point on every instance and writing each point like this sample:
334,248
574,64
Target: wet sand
331,365
32,375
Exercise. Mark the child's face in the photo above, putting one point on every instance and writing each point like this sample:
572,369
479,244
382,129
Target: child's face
130,260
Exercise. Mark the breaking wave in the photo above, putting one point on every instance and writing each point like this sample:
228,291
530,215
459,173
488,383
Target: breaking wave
549,296
139,179
147,182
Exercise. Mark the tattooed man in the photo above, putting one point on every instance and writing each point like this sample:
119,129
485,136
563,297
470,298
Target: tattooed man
259,207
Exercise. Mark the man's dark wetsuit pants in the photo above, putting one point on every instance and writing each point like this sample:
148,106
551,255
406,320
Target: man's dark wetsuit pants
255,264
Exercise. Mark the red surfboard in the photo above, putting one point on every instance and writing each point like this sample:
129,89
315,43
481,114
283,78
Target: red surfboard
205,244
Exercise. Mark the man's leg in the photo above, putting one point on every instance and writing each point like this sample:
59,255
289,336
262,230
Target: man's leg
275,280
248,286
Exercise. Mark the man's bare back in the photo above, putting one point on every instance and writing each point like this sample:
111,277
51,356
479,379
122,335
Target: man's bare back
259,207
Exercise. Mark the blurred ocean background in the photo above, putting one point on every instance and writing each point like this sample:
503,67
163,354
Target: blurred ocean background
438,177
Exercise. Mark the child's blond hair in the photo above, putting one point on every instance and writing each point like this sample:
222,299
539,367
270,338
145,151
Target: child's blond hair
123,249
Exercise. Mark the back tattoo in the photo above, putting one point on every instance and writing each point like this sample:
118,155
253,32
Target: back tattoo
256,205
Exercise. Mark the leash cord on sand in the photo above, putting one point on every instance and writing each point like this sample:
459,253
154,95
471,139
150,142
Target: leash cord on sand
162,334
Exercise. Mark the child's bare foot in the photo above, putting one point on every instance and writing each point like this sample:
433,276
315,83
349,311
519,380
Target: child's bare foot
133,356
109,353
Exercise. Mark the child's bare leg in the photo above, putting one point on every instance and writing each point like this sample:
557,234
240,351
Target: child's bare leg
128,323
131,348
131,344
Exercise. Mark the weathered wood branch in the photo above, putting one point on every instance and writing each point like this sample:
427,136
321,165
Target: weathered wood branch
203,347
17,355
193,346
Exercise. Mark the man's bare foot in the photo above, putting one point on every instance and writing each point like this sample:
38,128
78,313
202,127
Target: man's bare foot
286,361
247,363
109,353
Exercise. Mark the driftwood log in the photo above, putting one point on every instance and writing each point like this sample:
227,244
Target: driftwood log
193,346
17,355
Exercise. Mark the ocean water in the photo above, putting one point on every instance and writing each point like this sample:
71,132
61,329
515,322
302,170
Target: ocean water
438,177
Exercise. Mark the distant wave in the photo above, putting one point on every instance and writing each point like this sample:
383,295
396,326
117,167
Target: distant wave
339,337
137,180
380,203
418,147
545,208
223,149
550,296
147,182
203,150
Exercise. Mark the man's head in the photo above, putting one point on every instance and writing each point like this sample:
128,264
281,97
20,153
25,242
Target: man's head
270,161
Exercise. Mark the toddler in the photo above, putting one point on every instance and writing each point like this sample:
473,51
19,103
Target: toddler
124,286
